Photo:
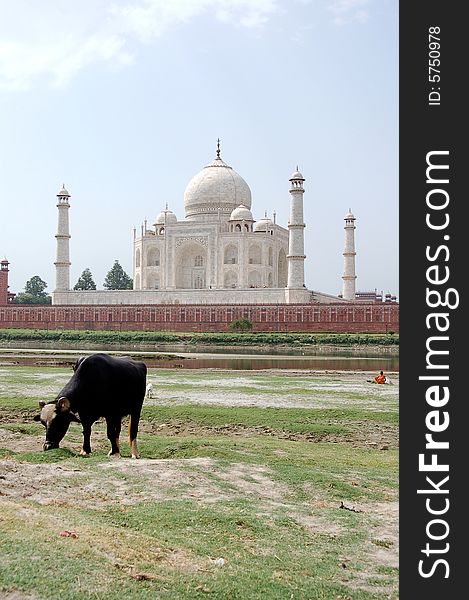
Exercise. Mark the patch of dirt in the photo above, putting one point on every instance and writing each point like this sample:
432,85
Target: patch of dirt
363,572
384,534
253,480
314,524
17,415
367,434
380,550
379,436
130,482
15,441
297,389
18,442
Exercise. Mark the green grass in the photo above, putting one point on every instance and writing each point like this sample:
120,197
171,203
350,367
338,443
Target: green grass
150,529
267,552
223,338
263,559
289,419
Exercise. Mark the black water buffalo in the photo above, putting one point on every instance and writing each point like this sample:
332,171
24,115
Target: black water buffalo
101,386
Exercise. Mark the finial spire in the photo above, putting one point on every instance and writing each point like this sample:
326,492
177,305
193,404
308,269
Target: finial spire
166,206
218,148
297,168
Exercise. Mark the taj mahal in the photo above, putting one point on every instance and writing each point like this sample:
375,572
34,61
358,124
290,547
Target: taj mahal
218,254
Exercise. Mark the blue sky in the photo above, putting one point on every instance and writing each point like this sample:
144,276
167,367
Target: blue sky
123,101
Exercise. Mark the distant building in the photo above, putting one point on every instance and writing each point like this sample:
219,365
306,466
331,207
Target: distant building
349,277
217,254
6,297
375,297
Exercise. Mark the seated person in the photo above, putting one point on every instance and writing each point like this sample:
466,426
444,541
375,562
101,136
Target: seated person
381,378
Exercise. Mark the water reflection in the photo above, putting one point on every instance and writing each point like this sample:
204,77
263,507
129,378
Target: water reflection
238,363
333,351
321,358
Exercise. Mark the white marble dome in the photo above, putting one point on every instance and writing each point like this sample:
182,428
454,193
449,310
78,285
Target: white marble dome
241,213
297,175
216,189
63,192
263,224
165,217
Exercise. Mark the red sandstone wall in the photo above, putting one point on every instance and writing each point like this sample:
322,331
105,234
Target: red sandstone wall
3,287
373,318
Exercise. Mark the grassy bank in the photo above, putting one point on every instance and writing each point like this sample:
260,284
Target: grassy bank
223,339
259,501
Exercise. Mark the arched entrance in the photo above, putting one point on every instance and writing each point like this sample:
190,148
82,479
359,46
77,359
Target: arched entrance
191,267
282,269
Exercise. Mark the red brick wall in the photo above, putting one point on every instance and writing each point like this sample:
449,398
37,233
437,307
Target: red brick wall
3,286
377,318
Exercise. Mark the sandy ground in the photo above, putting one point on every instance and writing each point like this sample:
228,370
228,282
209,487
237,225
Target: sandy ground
294,389
298,389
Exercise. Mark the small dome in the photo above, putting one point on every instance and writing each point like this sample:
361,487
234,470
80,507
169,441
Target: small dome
241,213
263,224
297,175
63,192
166,217
349,215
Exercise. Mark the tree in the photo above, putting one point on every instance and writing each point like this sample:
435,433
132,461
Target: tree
36,287
34,292
85,281
242,324
117,279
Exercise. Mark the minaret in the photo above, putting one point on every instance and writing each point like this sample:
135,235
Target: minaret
62,264
296,246
4,282
349,277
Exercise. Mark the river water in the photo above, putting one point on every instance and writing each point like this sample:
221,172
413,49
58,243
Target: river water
325,358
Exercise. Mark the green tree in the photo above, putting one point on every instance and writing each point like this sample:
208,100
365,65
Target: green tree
36,287
242,324
117,278
34,292
85,281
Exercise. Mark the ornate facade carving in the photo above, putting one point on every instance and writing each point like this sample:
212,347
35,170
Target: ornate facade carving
198,240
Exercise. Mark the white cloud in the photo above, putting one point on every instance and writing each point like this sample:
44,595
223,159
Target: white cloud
53,40
21,64
346,11
246,13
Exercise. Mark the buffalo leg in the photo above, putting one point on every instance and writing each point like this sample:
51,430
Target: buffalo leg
133,430
86,450
113,432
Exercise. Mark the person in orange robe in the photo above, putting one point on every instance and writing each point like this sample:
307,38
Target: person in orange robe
381,378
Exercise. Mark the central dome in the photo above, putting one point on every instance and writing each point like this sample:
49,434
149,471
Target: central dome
216,189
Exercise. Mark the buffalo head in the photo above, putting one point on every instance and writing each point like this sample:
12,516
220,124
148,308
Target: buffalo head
56,417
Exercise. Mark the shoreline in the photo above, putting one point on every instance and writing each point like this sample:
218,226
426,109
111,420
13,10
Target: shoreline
319,349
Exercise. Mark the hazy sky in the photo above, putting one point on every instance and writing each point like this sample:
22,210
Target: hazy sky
123,101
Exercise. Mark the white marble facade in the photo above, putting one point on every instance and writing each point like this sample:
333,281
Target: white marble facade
217,254
218,245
